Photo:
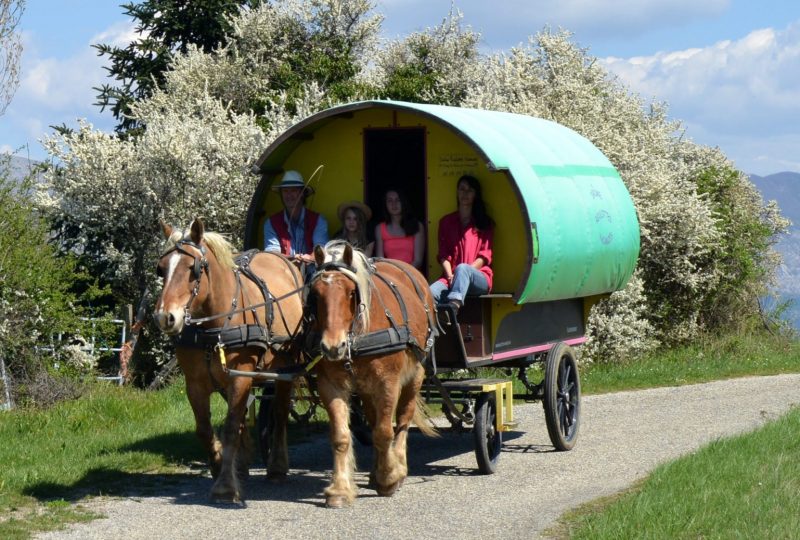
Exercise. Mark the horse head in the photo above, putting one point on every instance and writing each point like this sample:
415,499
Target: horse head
341,293
186,266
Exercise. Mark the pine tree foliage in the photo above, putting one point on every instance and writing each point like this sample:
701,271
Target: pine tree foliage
167,28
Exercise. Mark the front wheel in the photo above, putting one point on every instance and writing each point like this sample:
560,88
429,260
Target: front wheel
562,396
488,440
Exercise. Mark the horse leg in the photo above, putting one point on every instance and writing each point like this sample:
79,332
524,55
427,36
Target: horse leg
198,391
406,410
342,490
278,466
227,487
388,472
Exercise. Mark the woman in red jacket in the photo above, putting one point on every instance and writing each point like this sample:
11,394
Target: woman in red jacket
465,247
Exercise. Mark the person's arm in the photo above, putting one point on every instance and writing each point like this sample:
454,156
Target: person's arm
448,271
484,256
378,241
446,244
320,234
419,247
271,242
319,237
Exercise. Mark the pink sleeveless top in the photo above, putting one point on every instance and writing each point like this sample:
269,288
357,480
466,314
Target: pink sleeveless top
397,247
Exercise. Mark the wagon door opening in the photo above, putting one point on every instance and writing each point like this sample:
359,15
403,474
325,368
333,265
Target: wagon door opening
395,158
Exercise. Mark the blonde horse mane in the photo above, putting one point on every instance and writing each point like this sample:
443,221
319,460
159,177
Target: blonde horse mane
334,250
221,248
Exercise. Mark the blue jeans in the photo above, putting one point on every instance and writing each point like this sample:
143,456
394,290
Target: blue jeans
466,280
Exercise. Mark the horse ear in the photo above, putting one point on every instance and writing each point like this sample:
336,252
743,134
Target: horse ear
347,256
319,255
166,228
197,230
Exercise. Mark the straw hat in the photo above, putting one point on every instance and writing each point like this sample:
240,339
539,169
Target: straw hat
292,179
353,204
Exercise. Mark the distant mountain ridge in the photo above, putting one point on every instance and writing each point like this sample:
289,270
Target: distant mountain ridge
20,167
783,187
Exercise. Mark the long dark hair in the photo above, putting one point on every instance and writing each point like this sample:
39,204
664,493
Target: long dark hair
408,220
479,215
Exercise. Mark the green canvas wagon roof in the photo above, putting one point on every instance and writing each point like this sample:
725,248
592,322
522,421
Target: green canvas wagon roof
584,234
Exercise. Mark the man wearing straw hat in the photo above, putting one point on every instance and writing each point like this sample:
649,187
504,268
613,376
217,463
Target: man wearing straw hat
296,230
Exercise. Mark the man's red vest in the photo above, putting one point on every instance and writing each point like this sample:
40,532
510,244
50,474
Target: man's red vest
282,230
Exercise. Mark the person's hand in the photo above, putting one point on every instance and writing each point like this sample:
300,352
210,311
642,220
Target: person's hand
449,280
305,258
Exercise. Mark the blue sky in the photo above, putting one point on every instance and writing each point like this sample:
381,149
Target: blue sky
729,69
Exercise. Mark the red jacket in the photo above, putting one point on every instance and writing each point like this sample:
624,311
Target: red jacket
459,244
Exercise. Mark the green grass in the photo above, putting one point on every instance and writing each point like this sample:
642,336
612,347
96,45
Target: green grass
109,441
743,487
707,360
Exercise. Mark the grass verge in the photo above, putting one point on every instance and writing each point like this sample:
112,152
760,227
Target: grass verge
742,487
711,358
109,441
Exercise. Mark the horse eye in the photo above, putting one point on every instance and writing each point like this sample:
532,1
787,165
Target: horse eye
159,271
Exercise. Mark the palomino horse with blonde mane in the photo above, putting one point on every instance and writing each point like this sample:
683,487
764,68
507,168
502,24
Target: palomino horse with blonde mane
376,326
229,316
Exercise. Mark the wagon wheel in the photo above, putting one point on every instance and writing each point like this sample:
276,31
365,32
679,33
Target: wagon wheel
488,440
265,423
562,396
358,422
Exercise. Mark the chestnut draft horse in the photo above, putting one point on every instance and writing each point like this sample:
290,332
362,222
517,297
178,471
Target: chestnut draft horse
376,324
223,323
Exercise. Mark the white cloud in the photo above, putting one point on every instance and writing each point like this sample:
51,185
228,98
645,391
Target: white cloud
58,90
117,35
749,86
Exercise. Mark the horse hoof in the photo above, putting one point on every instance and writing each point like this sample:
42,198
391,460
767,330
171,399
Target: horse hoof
225,496
277,477
336,501
388,491
227,499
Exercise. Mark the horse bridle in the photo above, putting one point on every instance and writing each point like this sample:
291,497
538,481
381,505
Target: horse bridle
200,265
338,266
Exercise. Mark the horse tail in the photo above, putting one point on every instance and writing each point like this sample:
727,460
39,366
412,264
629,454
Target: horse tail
422,418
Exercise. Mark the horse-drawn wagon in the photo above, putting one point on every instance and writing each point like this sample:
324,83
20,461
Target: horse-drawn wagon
566,234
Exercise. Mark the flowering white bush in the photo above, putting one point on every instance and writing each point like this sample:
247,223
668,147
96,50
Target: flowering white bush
192,160
618,328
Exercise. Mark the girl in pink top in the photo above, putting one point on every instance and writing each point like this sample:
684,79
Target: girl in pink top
400,236
465,247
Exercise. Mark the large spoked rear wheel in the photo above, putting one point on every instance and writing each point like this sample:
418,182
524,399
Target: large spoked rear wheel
265,423
488,440
562,396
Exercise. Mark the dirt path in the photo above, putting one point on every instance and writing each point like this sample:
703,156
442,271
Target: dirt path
623,436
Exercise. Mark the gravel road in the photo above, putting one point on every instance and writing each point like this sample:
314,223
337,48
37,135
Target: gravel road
623,436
